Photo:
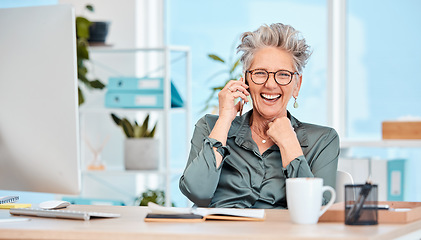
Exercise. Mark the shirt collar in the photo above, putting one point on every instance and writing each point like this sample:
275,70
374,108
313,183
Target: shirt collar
240,129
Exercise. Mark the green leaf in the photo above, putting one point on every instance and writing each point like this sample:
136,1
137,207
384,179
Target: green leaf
218,88
116,119
82,27
84,80
145,125
82,50
97,84
142,131
216,58
128,128
90,7
138,132
236,64
82,70
81,98
152,133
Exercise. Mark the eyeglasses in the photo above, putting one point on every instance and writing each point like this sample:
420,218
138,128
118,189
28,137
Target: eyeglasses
282,77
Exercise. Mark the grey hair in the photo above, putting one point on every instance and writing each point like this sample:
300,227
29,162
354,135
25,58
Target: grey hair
275,35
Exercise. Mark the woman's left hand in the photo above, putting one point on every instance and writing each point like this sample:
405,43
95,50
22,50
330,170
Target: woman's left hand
282,133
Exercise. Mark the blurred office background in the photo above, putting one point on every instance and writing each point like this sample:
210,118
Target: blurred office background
382,59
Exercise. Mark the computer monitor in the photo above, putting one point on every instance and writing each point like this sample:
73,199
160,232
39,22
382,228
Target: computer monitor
39,131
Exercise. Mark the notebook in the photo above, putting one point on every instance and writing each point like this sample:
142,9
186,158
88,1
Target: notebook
172,214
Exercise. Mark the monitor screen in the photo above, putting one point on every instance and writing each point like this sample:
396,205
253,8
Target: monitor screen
39,131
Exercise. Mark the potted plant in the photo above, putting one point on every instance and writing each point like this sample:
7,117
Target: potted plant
155,196
141,149
83,26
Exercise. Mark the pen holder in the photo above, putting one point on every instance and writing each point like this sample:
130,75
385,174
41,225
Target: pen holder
361,204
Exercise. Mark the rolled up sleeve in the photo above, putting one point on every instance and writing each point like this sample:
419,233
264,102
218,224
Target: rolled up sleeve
321,161
200,178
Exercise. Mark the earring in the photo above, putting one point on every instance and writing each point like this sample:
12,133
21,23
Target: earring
295,103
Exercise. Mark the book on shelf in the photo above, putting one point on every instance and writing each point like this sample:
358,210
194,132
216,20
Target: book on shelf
172,214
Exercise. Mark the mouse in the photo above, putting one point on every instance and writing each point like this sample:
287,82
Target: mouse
54,204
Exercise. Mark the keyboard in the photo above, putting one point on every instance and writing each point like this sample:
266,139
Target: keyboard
70,214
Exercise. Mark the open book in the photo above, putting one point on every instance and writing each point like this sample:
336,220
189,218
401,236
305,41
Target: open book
164,214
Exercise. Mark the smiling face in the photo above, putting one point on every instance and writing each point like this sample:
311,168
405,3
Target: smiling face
270,99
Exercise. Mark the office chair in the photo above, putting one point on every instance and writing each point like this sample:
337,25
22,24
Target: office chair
342,178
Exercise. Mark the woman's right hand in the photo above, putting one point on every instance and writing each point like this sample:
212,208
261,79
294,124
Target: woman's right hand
233,89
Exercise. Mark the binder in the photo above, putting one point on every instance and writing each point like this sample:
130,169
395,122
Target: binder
396,178
134,83
126,93
134,99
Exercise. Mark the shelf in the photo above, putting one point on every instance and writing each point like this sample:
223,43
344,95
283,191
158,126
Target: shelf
165,57
122,172
87,109
107,49
381,143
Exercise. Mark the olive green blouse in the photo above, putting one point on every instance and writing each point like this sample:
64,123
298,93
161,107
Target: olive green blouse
248,179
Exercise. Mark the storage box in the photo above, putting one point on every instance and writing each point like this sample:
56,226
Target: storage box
401,130
403,212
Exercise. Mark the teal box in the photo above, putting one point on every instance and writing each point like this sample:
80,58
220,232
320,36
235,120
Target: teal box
133,83
396,179
134,99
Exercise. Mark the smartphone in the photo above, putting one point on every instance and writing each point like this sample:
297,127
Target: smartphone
241,100
241,106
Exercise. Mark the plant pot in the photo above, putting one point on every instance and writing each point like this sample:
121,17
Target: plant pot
141,154
98,32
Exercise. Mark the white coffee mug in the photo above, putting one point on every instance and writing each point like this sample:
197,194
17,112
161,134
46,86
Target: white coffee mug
304,197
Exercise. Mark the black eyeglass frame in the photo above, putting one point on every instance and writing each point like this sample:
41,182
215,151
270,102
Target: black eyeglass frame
274,74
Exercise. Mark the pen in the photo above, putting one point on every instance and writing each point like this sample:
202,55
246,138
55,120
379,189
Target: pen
354,213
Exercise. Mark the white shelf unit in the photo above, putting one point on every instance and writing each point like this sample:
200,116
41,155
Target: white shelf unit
381,143
383,149
347,145
165,170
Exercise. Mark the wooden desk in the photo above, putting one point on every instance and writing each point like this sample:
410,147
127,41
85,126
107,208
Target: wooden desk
131,226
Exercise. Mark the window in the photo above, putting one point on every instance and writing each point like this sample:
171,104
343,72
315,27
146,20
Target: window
215,27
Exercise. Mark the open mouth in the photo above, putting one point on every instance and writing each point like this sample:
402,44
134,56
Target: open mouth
270,97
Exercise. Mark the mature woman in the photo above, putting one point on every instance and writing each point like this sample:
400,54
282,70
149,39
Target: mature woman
243,161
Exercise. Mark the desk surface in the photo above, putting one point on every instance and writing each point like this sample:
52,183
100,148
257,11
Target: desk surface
131,226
